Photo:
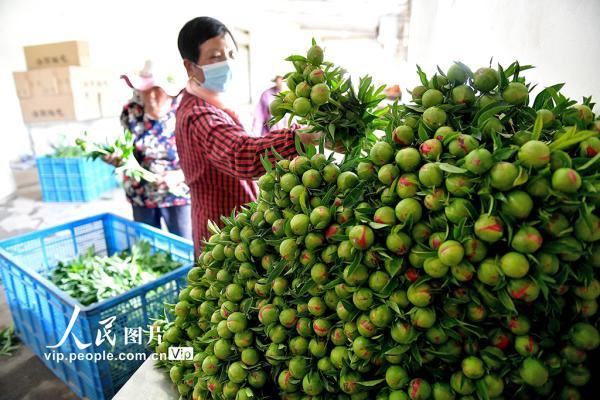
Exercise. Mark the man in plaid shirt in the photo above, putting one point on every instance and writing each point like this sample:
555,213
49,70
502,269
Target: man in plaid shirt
219,159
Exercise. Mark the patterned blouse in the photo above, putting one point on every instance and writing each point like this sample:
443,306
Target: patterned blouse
155,150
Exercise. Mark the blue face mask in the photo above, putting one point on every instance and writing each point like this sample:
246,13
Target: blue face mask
217,76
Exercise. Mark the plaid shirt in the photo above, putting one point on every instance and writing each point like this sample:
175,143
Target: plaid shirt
219,160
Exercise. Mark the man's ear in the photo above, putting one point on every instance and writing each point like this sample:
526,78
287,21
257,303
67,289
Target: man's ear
193,70
188,67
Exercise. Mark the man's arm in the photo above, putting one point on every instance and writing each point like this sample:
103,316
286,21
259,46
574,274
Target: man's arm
230,149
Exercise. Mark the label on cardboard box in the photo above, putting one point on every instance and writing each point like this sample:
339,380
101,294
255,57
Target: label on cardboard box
67,93
61,108
23,85
62,81
58,108
57,54
44,83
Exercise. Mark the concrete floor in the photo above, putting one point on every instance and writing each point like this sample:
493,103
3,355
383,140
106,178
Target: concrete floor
22,375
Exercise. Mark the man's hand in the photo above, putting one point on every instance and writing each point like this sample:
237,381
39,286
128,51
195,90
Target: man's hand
314,138
173,178
174,181
113,159
309,139
337,147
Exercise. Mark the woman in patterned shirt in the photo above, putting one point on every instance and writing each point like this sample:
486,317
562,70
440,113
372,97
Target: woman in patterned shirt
150,116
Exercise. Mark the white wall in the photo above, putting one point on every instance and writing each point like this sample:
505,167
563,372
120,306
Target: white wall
559,37
121,34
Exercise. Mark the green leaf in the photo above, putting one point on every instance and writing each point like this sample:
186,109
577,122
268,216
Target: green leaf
435,81
333,283
504,153
591,162
506,301
377,226
213,228
450,137
537,127
363,86
395,267
453,169
423,135
246,307
303,203
482,391
560,247
353,196
492,111
278,118
355,264
331,129
414,350
277,155
276,271
90,278
296,58
371,383
394,307
422,76
496,140
545,95
541,284
266,163
522,178
579,137
440,71
8,341
394,185
329,195
298,144
398,350
515,68
416,108
458,231
503,77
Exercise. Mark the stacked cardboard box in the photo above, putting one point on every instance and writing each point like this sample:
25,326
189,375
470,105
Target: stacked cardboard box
60,85
26,178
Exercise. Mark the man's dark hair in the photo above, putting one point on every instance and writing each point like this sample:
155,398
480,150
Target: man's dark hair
196,32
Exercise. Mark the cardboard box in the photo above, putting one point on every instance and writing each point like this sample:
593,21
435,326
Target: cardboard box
25,176
40,83
78,107
62,81
22,85
62,94
57,55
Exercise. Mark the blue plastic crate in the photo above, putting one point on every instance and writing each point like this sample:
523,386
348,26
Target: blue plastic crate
75,179
41,311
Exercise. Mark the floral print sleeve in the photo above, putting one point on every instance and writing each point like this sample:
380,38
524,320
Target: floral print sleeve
155,150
